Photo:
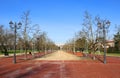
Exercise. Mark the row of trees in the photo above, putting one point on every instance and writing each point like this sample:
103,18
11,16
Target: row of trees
85,37
29,37
89,36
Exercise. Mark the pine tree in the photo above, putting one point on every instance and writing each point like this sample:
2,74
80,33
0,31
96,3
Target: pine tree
117,41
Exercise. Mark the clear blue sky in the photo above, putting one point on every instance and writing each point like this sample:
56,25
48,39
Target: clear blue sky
60,18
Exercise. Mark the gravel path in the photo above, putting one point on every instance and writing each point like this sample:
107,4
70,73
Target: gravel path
59,55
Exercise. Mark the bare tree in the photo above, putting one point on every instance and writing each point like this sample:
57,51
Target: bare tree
88,26
29,32
25,29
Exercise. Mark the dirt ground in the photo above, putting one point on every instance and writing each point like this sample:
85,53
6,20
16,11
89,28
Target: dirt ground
59,65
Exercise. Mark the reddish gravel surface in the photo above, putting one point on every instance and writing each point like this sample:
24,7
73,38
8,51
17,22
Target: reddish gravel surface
59,68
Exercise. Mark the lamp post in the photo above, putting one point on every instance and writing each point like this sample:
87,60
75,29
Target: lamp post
15,26
104,25
38,47
45,48
33,47
74,46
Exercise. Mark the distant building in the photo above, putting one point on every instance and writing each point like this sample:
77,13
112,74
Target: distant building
110,43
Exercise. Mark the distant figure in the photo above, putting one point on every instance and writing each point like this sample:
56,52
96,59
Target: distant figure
30,53
82,49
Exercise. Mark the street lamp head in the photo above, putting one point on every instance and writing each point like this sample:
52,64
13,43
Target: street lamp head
108,22
37,38
19,24
99,24
11,24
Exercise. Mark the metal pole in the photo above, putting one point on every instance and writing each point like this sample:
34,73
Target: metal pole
103,26
33,50
45,48
14,26
74,45
14,61
104,44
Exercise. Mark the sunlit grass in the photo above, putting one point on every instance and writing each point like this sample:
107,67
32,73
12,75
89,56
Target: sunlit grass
17,51
113,54
109,54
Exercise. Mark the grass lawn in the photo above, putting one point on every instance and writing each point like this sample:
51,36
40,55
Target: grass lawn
109,54
113,54
17,51
116,54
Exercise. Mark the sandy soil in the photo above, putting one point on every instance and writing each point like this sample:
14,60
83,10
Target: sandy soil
59,55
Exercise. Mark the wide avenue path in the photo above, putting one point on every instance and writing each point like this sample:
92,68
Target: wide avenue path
59,65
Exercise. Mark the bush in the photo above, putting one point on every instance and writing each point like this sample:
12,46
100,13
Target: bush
112,50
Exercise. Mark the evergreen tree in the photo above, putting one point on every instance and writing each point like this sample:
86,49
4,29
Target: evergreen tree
117,41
